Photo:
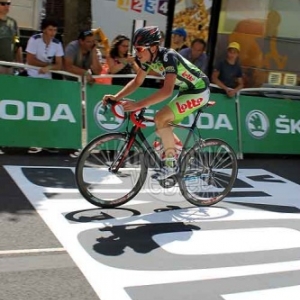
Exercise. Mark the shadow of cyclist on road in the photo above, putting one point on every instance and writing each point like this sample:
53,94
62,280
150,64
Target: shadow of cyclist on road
138,237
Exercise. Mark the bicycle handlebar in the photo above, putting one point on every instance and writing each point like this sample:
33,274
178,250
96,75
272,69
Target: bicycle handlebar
133,117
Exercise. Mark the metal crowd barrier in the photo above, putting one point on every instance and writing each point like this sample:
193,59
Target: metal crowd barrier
49,113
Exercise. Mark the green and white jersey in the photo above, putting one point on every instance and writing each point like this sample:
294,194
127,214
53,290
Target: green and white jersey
168,61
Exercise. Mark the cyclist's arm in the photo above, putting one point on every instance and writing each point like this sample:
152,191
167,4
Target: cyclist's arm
132,85
163,93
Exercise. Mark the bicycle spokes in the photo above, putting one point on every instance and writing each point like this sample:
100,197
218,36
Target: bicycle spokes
208,172
108,173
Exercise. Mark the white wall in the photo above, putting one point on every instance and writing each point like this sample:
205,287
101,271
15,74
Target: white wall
26,13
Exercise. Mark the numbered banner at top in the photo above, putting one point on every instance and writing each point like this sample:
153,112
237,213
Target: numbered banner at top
163,7
148,6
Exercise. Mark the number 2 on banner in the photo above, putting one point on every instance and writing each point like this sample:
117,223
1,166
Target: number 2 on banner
163,7
137,5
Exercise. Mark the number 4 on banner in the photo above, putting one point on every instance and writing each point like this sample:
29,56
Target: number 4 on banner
163,7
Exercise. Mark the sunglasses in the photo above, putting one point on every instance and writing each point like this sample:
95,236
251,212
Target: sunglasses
140,49
84,34
87,32
5,3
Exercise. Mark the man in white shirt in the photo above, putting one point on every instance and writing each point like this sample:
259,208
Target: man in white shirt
44,51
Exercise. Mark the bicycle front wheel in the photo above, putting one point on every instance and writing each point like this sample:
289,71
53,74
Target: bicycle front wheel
208,172
107,173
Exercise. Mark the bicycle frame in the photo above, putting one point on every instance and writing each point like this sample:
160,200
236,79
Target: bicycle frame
137,131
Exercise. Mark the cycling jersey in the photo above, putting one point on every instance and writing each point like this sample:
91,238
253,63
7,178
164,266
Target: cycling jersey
168,61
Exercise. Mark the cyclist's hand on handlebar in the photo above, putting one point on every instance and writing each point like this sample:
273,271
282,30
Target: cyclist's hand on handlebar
106,98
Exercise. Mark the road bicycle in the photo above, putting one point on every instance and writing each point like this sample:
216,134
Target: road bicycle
113,167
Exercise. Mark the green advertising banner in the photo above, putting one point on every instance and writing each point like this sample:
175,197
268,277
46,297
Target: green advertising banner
40,113
218,121
270,125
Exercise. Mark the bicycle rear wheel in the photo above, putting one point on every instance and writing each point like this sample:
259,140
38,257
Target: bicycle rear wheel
208,172
105,175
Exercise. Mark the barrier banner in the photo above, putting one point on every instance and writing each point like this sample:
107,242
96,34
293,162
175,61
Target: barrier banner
218,121
270,125
40,113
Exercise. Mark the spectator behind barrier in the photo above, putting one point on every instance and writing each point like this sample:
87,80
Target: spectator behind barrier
9,37
227,74
195,54
81,57
120,61
44,51
178,39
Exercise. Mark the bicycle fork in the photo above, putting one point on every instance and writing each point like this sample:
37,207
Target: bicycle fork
115,166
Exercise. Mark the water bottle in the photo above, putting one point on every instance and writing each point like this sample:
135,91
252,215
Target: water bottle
178,148
157,145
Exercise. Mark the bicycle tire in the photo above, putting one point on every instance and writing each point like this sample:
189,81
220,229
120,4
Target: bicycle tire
94,162
197,168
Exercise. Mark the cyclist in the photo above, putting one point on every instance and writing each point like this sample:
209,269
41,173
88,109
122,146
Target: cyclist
193,90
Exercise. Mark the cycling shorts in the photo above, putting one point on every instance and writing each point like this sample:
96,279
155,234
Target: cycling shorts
186,102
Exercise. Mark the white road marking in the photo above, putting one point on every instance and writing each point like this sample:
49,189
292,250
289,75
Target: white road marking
91,174
108,287
29,251
290,293
224,241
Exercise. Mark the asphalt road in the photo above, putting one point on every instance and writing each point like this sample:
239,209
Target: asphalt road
55,245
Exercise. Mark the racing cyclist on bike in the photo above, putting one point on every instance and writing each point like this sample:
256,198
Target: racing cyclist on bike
193,90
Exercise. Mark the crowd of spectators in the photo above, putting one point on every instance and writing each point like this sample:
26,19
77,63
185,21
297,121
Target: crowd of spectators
81,56
227,73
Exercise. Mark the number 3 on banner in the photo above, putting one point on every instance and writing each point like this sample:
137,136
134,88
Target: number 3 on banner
150,6
163,7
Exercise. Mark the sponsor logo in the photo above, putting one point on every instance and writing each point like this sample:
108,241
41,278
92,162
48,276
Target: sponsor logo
35,111
187,76
287,126
170,69
257,124
166,57
105,118
189,104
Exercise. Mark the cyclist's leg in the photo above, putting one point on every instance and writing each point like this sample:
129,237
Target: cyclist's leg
165,131
162,119
166,116
179,108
